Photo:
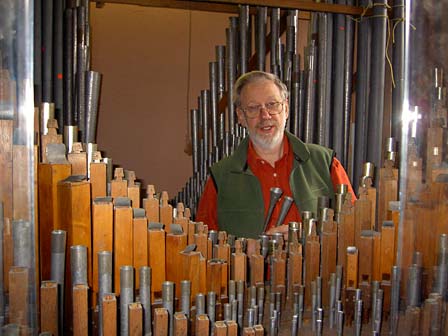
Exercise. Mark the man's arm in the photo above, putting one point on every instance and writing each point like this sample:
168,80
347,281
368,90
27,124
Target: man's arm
339,176
207,209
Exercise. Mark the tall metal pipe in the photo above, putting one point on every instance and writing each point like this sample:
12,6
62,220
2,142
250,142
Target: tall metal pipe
168,302
221,60
58,246
194,139
185,289
104,282
92,97
126,297
213,81
260,37
230,77
58,47
68,113
78,264
376,93
323,116
309,117
47,51
362,94
398,65
338,83
275,40
21,235
145,298
244,39
348,74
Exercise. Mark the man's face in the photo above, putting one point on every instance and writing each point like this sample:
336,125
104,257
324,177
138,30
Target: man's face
265,130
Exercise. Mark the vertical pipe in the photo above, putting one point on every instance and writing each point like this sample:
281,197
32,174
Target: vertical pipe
58,245
78,264
194,138
58,43
204,101
338,83
294,96
231,77
329,75
260,37
145,298
244,39
309,117
213,81
275,39
37,53
221,60
348,74
185,297
168,302
323,126
126,297
376,98
104,282
398,67
47,51
68,119
362,95
92,97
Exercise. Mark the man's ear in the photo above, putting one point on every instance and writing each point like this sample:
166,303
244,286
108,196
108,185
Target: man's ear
241,117
286,105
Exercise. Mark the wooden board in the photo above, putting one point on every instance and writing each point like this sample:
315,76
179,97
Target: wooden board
102,227
98,179
18,296
175,243
49,308
49,177
6,139
80,310
140,246
110,314
122,242
135,319
156,256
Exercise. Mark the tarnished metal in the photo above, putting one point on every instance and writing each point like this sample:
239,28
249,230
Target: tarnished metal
287,202
104,282
126,297
168,302
260,37
145,298
78,262
200,304
58,246
275,194
185,290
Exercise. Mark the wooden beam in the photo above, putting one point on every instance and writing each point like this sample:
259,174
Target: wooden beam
231,6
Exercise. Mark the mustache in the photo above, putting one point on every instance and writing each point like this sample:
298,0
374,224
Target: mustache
267,123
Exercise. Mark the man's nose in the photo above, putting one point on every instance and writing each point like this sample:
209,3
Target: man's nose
264,113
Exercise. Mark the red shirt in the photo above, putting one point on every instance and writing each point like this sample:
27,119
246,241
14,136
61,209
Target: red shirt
268,176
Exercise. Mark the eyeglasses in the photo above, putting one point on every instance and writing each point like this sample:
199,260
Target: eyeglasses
253,111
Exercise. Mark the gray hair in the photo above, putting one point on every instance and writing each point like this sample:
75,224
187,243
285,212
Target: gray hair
257,76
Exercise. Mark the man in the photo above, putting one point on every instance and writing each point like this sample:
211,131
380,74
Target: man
237,195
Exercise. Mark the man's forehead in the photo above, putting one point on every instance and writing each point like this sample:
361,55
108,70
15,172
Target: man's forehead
264,87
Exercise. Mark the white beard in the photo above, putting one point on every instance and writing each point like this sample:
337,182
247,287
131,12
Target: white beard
268,142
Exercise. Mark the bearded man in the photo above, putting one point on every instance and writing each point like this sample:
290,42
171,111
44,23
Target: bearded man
236,196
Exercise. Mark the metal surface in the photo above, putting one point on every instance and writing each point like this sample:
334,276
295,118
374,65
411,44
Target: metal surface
126,297
21,235
168,302
78,264
92,97
275,194
145,298
260,37
104,282
286,205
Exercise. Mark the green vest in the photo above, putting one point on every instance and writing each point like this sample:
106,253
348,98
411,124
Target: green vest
240,200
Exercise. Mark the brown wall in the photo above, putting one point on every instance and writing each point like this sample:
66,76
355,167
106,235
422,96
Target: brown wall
154,63
153,70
